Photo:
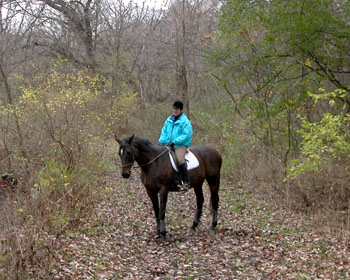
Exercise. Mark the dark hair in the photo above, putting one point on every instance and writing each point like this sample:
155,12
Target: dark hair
178,104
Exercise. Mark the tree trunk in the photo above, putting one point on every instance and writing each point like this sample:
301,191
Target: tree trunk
17,126
181,64
81,24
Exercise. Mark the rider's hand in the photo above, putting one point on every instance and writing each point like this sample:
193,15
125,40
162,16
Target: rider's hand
171,144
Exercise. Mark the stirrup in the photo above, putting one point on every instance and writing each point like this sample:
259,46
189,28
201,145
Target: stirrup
184,187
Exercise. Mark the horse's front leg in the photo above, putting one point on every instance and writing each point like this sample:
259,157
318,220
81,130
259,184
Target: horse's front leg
154,198
163,197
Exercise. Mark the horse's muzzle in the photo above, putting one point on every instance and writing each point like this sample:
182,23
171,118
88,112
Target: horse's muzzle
126,175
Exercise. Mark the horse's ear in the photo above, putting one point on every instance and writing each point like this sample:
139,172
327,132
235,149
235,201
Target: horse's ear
131,138
117,139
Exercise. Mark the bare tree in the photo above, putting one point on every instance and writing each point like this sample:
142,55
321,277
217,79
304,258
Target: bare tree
182,38
182,60
123,35
15,33
69,28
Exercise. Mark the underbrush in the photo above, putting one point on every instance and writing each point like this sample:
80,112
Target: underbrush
36,216
60,159
56,197
262,169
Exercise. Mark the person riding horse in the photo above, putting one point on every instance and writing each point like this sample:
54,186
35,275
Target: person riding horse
177,133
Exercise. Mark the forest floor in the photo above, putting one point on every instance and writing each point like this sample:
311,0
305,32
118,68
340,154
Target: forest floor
252,241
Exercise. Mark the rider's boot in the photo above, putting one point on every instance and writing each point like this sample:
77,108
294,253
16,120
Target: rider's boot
184,176
178,181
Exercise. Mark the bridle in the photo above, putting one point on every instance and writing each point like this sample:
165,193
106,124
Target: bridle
152,160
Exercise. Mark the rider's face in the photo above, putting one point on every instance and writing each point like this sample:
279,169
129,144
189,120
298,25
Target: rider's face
176,111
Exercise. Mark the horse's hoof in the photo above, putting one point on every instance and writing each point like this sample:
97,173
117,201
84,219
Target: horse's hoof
185,188
194,226
163,237
157,234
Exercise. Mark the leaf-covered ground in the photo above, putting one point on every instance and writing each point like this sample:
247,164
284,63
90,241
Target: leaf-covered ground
252,241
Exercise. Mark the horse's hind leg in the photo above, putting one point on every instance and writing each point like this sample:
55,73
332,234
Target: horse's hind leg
214,183
200,199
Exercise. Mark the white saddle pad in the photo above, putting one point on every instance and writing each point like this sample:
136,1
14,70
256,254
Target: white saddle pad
192,161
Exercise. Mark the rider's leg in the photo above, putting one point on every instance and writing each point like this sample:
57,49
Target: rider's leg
185,179
180,154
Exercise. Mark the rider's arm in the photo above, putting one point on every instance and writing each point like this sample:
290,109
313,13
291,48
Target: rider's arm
163,139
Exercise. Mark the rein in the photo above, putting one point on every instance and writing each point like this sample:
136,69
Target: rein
152,160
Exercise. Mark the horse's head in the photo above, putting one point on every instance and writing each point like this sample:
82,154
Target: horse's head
127,154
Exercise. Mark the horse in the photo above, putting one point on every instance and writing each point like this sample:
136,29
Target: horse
158,176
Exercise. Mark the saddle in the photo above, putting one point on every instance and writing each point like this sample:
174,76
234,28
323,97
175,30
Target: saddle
190,158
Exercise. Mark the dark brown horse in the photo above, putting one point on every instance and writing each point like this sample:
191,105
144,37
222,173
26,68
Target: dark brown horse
158,176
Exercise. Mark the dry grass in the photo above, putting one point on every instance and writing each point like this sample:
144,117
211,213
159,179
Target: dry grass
324,196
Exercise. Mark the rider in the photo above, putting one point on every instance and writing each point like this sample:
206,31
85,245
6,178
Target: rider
177,133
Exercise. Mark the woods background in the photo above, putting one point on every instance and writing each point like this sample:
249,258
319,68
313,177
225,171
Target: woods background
265,82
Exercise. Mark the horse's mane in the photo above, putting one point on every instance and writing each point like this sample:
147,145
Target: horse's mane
142,141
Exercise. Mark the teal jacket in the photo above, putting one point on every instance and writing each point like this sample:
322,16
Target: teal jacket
180,132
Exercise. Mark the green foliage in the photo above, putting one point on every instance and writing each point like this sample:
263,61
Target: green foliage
269,54
271,58
324,143
215,126
333,98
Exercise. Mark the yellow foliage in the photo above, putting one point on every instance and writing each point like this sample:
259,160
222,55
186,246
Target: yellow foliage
308,62
2,109
331,102
63,113
61,96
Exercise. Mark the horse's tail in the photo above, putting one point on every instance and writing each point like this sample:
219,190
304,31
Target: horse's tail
213,168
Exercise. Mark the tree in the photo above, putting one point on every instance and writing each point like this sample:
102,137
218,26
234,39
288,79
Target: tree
15,33
269,54
181,41
69,28
126,32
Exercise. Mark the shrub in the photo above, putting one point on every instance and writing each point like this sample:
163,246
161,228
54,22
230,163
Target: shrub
65,119
321,174
325,142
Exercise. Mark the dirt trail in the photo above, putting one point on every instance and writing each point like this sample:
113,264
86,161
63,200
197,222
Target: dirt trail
252,242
